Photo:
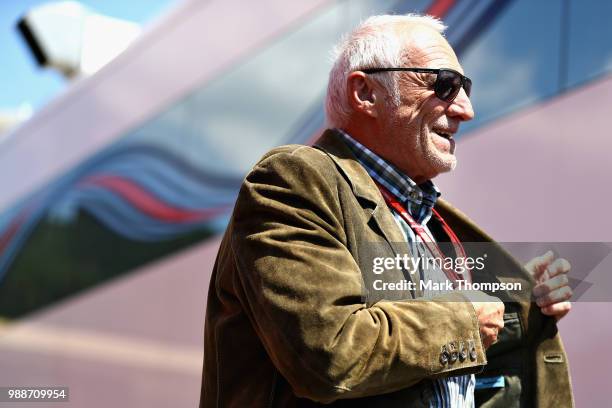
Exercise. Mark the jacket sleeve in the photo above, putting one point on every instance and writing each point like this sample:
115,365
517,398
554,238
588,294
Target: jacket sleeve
302,291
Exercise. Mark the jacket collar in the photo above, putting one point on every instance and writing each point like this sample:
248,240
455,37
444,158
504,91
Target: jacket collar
361,183
363,187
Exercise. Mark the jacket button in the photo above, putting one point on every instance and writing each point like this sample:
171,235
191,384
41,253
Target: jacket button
444,358
453,355
462,351
472,348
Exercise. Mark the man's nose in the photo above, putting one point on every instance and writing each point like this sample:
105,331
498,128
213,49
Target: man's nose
461,107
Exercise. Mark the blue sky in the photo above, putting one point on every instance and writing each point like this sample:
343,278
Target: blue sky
21,81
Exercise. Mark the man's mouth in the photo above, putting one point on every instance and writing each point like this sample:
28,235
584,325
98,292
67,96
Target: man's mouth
448,136
445,135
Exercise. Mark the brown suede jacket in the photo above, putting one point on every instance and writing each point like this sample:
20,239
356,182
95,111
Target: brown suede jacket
289,322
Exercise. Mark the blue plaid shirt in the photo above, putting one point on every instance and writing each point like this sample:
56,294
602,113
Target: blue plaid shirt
418,200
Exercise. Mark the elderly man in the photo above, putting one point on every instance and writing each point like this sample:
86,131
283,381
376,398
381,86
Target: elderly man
292,319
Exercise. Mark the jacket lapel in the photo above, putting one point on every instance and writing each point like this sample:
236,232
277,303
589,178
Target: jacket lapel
365,190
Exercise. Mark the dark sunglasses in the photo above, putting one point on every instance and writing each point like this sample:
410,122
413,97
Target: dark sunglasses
448,81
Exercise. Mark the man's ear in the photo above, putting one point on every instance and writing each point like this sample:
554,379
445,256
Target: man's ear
362,93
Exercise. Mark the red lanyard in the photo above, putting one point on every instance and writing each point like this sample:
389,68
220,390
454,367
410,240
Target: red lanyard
427,239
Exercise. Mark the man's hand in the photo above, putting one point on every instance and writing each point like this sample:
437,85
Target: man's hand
552,290
490,313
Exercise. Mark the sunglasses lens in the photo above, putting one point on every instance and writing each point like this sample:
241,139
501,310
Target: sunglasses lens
447,86
467,85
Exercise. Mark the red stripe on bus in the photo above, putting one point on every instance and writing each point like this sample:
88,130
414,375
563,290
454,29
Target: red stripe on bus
439,8
148,203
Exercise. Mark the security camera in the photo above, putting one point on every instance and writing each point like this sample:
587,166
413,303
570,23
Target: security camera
70,38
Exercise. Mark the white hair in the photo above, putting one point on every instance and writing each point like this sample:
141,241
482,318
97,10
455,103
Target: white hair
373,44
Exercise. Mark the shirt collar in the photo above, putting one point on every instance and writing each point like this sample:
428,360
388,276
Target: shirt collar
418,199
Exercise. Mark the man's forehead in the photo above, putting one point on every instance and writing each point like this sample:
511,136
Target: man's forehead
424,45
